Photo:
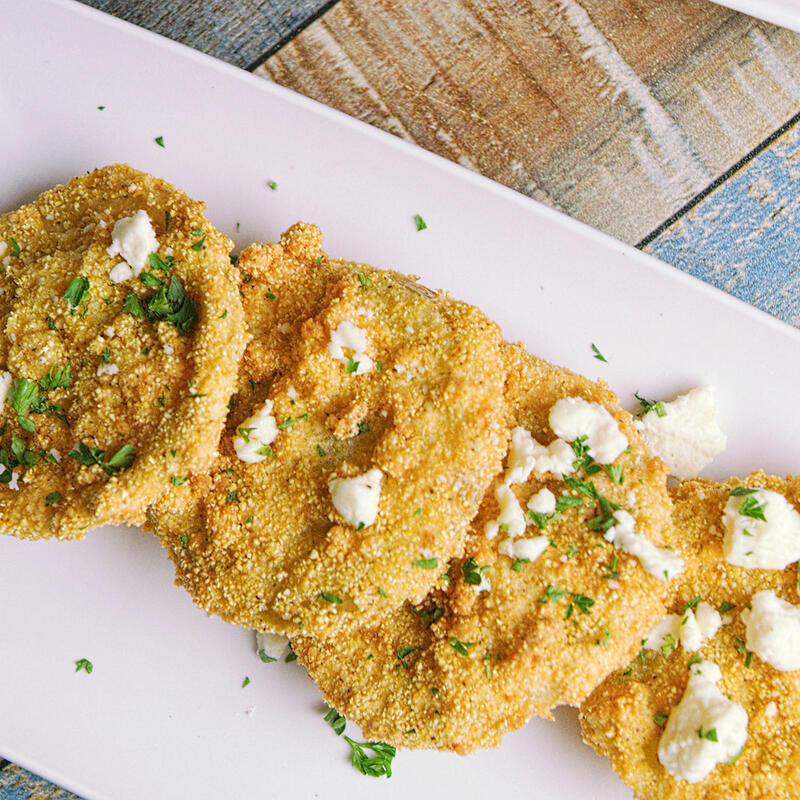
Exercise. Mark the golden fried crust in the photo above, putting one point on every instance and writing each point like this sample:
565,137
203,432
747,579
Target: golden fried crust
261,544
618,718
168,396
476,664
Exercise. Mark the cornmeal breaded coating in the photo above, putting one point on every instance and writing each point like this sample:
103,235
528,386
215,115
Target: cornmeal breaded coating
501,638
625,716
355,378
110,390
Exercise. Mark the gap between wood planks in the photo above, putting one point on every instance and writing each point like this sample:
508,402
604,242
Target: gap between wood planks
291,35
717,182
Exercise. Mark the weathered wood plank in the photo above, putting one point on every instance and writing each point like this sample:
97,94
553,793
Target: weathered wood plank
617,113
241,32
744,237
19,784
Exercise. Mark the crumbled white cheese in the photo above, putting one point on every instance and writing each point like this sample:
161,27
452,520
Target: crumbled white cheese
773,630
292,393
526,454
703,729
665,634
356,499
257,431
348,337
120,272
5,384
511,516
12,484
543,502
658,561
133,238
485,585
771,709
687,436
56,455
107,369
3,248
273,644
169,349
250,710
754,543
109,332
708,619
574,417
691,635
528,549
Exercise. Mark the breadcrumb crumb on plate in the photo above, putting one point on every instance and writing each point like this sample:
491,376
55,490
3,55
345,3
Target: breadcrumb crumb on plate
115,388
625,716
501,638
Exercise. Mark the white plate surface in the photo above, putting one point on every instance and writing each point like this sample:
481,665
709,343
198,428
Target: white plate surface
781,12
163,714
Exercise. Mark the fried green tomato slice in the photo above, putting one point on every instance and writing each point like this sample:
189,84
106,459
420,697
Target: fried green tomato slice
368,423
628,717
536,612
115,375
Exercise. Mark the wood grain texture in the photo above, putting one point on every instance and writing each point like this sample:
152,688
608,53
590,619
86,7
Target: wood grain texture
744,238
240,32
19,784
615,112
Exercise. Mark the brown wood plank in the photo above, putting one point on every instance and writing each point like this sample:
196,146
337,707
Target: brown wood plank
616,112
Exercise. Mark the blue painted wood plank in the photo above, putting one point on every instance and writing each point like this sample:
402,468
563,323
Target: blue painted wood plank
241,32
18,784
744,236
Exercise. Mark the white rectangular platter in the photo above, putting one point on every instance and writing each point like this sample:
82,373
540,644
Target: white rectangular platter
163,715
781,12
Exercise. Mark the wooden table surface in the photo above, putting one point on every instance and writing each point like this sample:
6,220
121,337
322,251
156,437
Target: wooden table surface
670,124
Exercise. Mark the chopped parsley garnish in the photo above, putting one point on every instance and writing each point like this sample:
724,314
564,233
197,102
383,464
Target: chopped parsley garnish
426,563
553,593
269,295
232,496
245,682
647,405
245,434
336,721
15,248
402,653
518,562
660,718
167,220
320,451
159,140
184,541
419,222
572,550
272,185
614,471
56,378
539,519
267,659
462,648
710,734
133,305
177,480
150,280
695,659
290,656
613,570
598,355
750,507
105,356
668,644
473,575
742,648
429,616
90,456
363,427
286,424
85,665
583,603
164,264
52,498
22,395
77,292
382,593
198,245
725,606
605,638
173,305
691,603
374,766
364,280
417,513
331,598
740,491
351,366
566,501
